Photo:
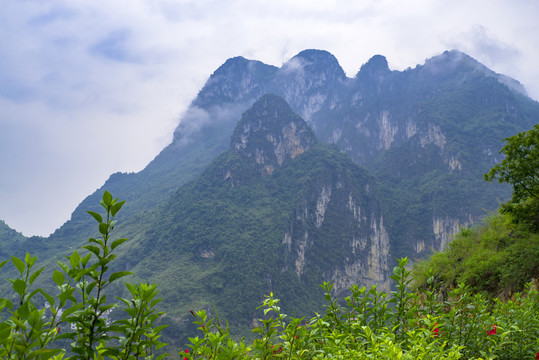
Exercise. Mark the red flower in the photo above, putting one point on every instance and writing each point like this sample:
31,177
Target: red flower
493,331
186,351
436,330
537,356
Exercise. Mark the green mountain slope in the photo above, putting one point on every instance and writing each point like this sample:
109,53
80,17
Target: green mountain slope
277,212
9,239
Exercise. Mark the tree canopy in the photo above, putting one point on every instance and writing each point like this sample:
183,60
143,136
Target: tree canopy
520,168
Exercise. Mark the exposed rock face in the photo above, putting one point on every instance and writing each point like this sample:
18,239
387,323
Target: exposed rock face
270,133
321,205
304,81
445,228
360,253
369,264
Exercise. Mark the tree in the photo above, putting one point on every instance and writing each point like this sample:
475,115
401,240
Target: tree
520,168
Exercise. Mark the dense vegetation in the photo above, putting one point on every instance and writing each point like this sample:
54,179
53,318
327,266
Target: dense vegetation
502,255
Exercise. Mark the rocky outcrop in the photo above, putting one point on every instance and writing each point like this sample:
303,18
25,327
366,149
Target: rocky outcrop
269,133
445,228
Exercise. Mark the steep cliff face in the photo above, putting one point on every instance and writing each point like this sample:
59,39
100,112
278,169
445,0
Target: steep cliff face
338,233
310,82
270,133
444,229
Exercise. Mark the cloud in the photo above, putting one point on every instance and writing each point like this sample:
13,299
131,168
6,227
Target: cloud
485,46
115,46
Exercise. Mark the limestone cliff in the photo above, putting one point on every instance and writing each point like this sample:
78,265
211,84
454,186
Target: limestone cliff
269,133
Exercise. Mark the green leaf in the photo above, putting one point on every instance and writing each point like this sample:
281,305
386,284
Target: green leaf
107,198
85,259
71,310
104,308
49,298
116,243
116,207
5,303
46,353
19,286
30,260
132,288
32,294
18,263
118,275
93,249
3,263
90,287
24,311
74,259
35,275
110,352
97,241
5,331
96,216
58,277
63,266
66,335
103,228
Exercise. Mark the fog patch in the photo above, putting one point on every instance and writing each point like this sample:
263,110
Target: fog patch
294,65
196,119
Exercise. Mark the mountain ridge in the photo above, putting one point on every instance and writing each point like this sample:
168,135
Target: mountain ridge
364,116
354,173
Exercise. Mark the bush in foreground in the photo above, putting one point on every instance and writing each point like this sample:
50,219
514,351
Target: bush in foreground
373,324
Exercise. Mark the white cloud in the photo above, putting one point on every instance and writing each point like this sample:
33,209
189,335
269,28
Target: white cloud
88,88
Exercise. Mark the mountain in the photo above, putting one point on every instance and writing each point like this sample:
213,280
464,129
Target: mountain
278,211
9,240
278,201
426,133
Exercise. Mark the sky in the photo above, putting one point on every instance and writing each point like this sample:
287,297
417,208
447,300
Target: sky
92,87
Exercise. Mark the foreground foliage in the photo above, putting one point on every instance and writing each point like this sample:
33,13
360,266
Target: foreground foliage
39,322
373,324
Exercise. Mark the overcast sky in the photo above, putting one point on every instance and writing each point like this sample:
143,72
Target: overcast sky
92,87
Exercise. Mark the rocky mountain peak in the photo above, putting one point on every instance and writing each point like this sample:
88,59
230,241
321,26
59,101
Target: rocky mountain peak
269,133
376,65
318,63
455,61
237,79
452,60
